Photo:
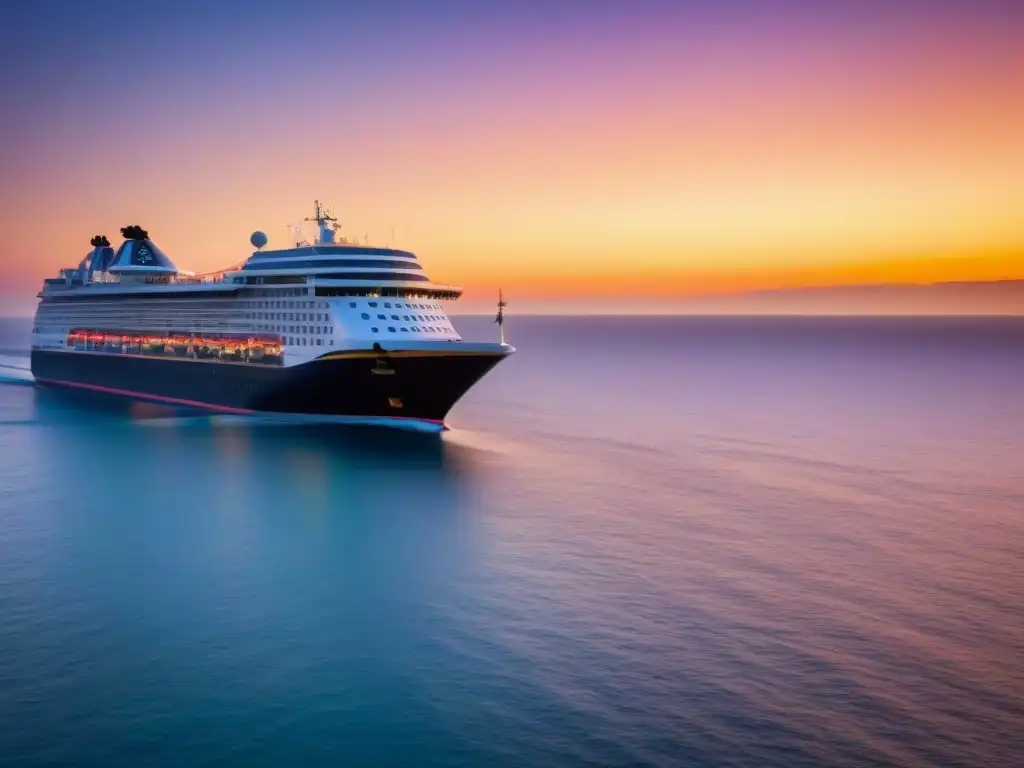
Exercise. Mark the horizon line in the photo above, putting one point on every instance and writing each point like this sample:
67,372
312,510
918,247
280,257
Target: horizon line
700,314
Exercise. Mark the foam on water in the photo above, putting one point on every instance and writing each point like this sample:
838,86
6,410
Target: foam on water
15,370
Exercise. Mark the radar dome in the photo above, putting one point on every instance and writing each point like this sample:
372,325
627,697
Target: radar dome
258,239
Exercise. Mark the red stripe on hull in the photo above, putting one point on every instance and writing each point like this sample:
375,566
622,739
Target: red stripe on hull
208,406
144,396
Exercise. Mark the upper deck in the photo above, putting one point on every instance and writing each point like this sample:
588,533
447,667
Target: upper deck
139,269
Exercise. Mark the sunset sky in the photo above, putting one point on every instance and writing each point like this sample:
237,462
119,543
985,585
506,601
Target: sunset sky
579,154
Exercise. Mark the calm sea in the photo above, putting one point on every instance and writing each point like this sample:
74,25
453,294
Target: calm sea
645,541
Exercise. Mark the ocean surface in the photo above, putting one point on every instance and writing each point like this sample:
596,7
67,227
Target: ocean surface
644,542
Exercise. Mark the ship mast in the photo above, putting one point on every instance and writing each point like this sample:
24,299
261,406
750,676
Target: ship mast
323,220
500,318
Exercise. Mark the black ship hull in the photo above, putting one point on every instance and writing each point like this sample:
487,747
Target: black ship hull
362,385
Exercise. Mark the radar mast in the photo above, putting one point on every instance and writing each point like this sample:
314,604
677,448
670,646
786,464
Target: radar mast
324,222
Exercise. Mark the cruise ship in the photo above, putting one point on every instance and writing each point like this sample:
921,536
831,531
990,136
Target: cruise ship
330,329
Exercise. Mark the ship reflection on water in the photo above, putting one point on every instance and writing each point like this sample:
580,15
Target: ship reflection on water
238,438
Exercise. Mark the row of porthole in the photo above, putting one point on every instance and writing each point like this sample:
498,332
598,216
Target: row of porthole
366,316
309,329
297,341
398,305
403,329
319,317
279,292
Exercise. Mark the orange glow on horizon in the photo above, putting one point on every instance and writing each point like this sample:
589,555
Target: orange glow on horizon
738,166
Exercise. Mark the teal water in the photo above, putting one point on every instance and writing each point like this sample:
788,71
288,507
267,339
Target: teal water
645,541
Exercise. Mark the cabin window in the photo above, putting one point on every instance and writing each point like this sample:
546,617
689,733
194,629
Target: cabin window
382,317
391,328
404,329
387,304
373,303
375,329
365,316
394,317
